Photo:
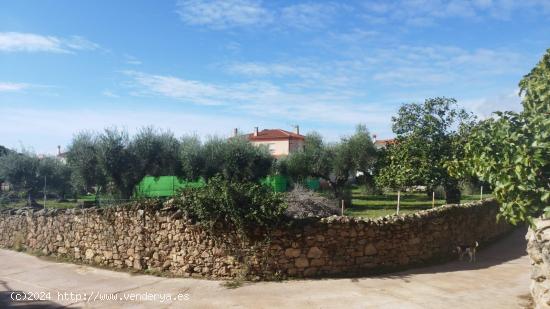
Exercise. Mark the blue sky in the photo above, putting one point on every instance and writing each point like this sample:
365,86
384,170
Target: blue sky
205,67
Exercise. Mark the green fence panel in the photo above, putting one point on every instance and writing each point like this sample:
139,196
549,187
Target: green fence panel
164,186
278,183
313,184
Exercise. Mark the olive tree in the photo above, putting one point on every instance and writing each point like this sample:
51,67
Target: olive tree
26,172
55,175
243,161
83,160
363,154
116,161
235,159
21,171
155,153
192,159
331,162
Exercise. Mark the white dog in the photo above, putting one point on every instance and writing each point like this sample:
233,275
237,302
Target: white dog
470,250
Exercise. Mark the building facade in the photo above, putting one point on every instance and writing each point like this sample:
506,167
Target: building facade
280,142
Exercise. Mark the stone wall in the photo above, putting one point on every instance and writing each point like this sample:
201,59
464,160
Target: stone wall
163,241
538,247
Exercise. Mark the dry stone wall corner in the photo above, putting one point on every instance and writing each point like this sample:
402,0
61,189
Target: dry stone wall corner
159,241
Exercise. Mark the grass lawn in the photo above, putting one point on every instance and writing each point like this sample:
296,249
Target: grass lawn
49,204
373,206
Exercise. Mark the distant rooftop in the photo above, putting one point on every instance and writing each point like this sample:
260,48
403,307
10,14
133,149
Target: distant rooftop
271,134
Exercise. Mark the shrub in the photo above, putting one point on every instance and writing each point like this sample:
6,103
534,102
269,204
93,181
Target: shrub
244,205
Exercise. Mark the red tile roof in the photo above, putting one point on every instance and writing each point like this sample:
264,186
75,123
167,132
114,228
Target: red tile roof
274,134
384,142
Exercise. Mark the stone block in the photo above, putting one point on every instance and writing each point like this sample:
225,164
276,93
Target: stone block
314,253
301,262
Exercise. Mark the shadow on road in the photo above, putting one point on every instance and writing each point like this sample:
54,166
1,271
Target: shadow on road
8,299
511,247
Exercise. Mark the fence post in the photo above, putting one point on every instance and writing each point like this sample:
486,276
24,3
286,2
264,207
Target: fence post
398,200
433,199
44,191
342,207
481,197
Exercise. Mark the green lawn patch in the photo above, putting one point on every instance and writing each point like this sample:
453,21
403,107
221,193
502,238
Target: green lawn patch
372,205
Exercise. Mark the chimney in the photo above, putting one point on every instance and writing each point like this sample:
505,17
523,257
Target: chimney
374,138
58,149
297,129
235,132
255,131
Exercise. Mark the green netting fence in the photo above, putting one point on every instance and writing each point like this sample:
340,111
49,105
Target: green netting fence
312,184
164,186
278,183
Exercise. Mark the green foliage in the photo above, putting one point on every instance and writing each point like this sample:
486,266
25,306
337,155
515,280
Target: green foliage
244,161
341,168
26,171
512,151
403,165
4,151
213,154
235,159
363,153
318,159
427,136
333,162
191,157
244,205
117,161
113,162
82,158
57,174
156,153
311,161
21,171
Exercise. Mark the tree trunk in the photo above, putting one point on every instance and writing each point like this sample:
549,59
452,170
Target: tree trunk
452,195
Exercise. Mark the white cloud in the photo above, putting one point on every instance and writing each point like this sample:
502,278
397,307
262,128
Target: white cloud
185,90
262,99
427,12
256,69
30,42
129,59
407,65
354,36
76,42
308,15
485,107
361,67
221,14
411,76
9,87
110,94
